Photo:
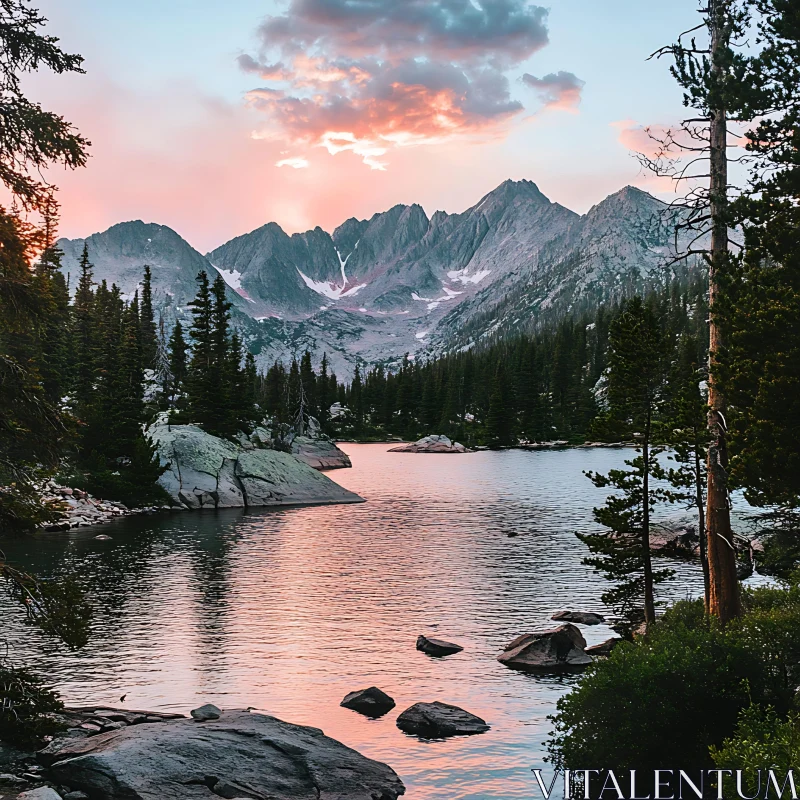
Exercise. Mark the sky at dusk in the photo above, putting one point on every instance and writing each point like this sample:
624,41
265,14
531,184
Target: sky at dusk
216,117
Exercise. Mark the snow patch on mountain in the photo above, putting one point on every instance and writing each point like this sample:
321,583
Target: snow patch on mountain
433,304
462,276
330,290
234,279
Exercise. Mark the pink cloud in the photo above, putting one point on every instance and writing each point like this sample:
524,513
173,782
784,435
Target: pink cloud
381,75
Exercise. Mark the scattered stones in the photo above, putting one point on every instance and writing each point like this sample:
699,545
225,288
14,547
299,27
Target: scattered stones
437,647
206,713
432,444
604,648
370,702
561,649
6,779
243,755
439,720
582,617
76,796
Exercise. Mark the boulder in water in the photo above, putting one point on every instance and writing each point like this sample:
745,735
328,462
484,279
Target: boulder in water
561,649
370,702
440,720
431,444
604,648
208,472
581,617
244,755
437,647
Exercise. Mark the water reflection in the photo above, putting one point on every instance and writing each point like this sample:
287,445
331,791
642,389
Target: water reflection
288,610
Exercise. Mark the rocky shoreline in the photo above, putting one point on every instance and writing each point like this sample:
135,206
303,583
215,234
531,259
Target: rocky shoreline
79,509
205,471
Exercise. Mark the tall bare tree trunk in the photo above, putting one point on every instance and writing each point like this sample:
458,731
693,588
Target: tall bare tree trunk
649,598
723,599
701,517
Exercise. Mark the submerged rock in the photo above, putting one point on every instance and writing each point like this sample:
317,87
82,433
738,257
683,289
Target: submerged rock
208,472
561,649
370,702
241,755
432,444
440,720
582,617
437,647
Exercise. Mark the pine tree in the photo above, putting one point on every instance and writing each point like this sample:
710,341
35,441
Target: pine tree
83,337
54,356
357,401
201,383
31,428
499,421
761,314
149,332
177,365
325,397
636,381
309,381
686,432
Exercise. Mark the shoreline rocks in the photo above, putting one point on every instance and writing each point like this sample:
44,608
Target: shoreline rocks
80,510
431,444
239,755
440,720
554,651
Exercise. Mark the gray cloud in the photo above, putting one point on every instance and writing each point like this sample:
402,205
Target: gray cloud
367,75
557,89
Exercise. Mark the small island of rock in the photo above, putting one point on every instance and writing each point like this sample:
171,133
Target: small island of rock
432,444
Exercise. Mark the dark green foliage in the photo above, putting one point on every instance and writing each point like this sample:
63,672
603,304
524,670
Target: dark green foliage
546,390
500,422
669,696
622,552
219,393
762,740
115,460
761,313
27,706
636,381
177,366
663,700
148,335
32,430
683,427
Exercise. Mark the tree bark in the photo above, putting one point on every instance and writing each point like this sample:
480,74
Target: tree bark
649,600
701,517
723,601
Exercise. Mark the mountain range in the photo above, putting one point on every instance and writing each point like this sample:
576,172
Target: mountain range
402,282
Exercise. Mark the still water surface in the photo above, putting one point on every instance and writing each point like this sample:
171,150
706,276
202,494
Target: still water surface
288,610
